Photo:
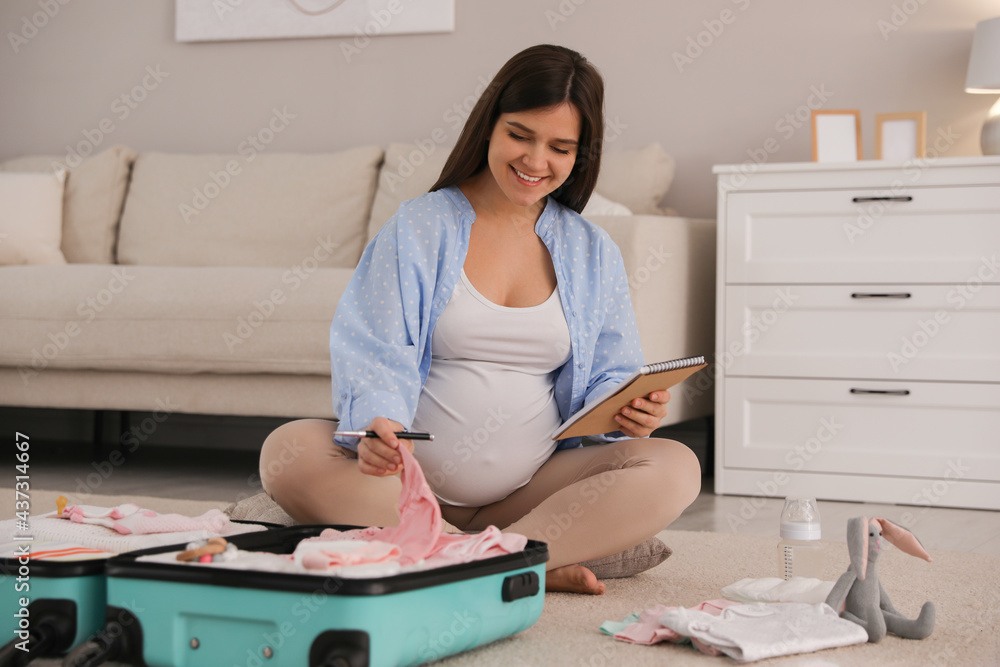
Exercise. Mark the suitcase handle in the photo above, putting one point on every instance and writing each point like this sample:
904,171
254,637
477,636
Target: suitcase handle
517,586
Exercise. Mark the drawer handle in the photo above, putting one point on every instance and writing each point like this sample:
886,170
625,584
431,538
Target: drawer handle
891,392
859,200
884,295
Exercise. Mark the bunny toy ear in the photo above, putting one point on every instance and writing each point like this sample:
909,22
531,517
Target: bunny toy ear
902,539
857,544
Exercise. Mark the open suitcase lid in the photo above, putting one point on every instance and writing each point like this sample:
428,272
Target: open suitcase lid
81,565
284,540
70,565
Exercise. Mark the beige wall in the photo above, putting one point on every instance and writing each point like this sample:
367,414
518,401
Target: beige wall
63,86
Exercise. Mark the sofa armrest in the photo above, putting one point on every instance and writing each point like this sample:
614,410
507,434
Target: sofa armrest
670,262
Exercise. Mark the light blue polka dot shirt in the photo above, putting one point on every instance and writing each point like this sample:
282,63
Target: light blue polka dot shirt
380,338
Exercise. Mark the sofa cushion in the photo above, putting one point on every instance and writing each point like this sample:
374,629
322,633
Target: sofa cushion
31,218
168,319
265,210
408,171
92,203
598,204
637,179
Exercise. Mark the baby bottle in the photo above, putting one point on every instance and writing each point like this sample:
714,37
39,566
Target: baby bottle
800,553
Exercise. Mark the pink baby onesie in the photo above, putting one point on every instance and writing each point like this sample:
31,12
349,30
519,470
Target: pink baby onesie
130,519
419,535
648,630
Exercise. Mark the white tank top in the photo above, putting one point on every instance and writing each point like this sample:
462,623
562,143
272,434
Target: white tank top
489,398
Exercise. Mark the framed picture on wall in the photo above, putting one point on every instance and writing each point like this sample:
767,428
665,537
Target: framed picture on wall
836,135
203,21
900,136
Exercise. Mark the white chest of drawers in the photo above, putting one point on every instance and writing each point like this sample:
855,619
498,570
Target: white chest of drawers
858,331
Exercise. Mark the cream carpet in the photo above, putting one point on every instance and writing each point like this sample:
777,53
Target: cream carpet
965,588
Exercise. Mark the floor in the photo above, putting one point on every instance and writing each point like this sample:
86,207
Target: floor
213,474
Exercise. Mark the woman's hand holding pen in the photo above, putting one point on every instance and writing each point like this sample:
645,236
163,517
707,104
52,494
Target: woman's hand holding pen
642,416
379,456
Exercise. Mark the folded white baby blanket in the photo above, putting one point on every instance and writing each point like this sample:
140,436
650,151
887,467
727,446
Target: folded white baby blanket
105,528
749,632
645,628
773,589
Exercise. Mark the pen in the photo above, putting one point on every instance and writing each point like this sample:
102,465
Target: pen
404,435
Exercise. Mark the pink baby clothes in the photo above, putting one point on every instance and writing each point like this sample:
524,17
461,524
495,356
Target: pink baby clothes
420,525
325,554
130,519
420,535
420,531
457,548
99,516
648,630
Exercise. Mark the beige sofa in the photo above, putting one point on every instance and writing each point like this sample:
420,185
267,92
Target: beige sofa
206,283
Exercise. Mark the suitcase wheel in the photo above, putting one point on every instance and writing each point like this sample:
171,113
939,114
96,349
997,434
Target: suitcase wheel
53,627
121,640
339,648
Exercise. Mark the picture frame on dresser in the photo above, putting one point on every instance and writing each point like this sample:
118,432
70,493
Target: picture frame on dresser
900,136
836,135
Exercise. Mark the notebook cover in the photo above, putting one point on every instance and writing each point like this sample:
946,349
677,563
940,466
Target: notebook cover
599,417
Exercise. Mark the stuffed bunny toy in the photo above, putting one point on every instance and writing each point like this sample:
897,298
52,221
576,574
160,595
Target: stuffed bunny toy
859,591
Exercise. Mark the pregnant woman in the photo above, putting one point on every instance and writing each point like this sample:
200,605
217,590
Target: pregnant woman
486,312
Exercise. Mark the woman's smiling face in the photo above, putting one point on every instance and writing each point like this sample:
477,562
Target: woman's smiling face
531,153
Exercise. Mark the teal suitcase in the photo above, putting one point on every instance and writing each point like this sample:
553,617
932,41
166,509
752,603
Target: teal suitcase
65,605
176,614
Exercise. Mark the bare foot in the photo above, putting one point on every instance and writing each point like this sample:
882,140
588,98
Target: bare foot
573,579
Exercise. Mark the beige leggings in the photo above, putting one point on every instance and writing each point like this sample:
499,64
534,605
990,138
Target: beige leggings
585,503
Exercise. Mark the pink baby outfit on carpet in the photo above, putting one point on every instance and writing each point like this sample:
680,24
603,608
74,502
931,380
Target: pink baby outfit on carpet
419,535
646,628
744,632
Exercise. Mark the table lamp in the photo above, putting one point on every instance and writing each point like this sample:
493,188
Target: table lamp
984,77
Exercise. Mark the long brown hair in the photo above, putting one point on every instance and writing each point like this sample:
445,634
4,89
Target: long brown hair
539,77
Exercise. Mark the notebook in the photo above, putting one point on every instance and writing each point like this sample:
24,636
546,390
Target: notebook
599,415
